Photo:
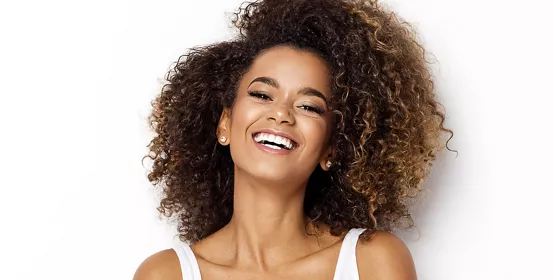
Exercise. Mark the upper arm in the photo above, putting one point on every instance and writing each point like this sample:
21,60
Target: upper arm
163,265
385,257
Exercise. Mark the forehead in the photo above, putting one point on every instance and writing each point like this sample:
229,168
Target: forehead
291,67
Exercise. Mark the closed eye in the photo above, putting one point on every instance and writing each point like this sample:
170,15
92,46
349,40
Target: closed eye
311,109
260,95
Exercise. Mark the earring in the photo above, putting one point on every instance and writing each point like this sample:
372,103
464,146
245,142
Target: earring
223,139
328,164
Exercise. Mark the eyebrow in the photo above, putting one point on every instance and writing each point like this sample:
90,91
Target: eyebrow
304,91
266,80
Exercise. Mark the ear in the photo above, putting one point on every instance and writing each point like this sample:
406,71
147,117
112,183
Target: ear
223,132
327,161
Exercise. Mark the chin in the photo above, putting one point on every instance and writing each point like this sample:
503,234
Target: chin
270,176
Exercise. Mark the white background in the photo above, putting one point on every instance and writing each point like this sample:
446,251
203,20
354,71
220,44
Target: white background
77,78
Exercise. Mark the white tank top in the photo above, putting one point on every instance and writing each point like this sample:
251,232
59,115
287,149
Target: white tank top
346,268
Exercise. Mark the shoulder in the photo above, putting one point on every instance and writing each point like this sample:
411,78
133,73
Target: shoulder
384,256
163,265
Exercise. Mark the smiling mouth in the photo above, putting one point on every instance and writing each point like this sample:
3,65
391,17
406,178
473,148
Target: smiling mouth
274,141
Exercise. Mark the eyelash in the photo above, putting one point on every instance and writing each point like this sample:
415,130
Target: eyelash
264,96
311,109
259,95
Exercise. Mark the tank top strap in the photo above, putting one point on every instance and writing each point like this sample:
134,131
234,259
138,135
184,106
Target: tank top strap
347,267
189,265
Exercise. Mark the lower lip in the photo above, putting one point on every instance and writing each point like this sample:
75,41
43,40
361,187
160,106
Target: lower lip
270,150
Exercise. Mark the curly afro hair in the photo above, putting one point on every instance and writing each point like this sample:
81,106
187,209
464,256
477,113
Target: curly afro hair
387,131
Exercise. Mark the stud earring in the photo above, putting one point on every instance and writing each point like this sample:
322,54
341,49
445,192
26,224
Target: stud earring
328,164
223,139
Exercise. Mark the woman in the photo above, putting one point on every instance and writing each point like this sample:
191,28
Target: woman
279,150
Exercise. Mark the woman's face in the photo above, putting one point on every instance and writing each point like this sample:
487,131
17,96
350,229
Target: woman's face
280,123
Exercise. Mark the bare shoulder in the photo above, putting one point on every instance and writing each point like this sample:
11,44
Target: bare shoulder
385,256
163,265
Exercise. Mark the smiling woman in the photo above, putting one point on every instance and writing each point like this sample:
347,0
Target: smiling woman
281,98
278,150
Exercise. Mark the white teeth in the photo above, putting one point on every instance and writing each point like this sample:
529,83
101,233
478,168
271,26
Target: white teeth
273,146
260,137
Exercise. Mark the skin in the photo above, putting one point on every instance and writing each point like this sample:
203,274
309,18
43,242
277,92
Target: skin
285,90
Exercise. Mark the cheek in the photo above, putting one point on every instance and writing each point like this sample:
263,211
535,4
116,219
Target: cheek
244,114
315,133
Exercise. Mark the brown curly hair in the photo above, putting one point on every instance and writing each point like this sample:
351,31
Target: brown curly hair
386,133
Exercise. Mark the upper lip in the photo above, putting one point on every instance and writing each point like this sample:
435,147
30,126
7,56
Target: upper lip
276,132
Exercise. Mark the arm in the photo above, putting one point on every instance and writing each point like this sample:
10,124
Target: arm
163,265
385,257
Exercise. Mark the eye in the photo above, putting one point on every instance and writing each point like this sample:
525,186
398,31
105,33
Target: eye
259,94
311,109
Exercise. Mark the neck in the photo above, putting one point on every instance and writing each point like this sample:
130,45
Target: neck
268,226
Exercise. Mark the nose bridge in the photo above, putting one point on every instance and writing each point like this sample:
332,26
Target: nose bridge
281,112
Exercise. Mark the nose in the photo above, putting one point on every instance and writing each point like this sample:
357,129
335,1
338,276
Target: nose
280,114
